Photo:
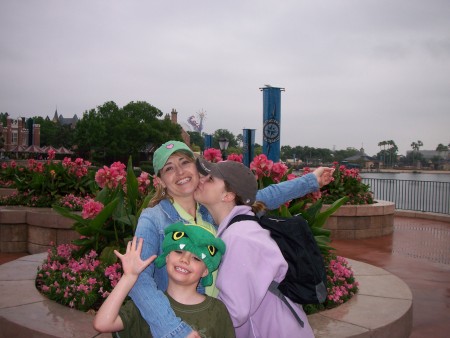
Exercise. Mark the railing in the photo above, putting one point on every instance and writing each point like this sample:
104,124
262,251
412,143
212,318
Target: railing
423,196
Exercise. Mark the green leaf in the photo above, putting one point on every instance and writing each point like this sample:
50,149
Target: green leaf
297,207
132,187
323,216
107,211
69,214
83,241
108,256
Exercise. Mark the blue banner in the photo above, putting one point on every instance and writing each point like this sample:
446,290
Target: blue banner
248,146
271,122
208,141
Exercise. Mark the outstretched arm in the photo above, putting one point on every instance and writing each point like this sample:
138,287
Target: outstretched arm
275,195
107,318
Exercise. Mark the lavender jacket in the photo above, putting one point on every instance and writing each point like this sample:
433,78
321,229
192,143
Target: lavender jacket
251,262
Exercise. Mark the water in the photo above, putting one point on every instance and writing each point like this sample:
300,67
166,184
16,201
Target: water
428,192
433,177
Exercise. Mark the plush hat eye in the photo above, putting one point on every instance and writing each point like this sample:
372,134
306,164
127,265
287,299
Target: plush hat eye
177,235
212,250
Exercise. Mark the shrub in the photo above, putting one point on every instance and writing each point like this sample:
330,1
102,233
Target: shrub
80,283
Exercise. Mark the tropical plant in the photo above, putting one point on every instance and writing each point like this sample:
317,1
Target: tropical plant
109,221
346,183
40,184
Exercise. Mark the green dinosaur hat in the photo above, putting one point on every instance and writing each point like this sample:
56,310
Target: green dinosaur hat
196,239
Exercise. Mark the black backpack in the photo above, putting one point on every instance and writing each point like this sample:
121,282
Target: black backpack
306,279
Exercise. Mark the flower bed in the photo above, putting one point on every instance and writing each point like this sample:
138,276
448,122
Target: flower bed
77,278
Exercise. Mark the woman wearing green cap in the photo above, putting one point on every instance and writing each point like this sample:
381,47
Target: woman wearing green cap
178,178
191,254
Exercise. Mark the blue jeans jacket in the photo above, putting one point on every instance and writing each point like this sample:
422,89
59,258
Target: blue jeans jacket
148,294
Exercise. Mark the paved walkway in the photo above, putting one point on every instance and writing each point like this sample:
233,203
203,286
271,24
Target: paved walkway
419,253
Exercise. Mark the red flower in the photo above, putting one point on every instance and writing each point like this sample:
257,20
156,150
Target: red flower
212,155
261,166
235,157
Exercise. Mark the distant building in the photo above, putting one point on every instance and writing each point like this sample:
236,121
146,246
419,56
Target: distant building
174,118
361,160
17,134
65,120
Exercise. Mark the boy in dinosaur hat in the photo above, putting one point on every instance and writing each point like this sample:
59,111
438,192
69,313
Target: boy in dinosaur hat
191,253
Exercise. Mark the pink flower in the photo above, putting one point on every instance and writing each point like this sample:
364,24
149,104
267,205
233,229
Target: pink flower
91,209
51,154
143,182
212,155
261,166
235,157
111,177
279,169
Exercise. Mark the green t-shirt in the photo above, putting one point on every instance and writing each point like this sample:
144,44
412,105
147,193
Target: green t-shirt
210,319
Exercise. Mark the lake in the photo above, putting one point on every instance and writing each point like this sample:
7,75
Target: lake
433,177
428,192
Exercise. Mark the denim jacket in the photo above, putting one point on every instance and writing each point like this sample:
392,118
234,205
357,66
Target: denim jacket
147,293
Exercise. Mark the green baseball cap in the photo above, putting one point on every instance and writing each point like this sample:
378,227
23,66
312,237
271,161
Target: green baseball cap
196,239
163,153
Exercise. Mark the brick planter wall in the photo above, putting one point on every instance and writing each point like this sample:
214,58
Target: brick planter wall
362,221
24,229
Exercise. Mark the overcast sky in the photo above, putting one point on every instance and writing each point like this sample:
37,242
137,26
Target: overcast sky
355,72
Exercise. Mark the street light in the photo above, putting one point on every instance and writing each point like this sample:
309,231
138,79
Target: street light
223,144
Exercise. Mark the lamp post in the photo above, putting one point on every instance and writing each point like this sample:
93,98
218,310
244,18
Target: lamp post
223,144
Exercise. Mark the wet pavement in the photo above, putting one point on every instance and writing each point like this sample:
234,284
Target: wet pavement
419,253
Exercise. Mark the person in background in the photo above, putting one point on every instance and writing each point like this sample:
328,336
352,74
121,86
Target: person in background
176,180
229,189
190,253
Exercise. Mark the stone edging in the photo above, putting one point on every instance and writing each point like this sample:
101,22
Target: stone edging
25,229
24,312
361,221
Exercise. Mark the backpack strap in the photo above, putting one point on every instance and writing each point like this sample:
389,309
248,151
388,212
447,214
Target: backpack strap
273,287
239,218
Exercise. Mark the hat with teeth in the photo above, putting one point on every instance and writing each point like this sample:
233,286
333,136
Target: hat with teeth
197,240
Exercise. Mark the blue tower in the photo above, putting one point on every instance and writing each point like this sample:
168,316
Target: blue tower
271,122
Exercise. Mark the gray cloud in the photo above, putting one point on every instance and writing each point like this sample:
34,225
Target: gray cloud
355,72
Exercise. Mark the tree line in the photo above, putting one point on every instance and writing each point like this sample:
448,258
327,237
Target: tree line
108,133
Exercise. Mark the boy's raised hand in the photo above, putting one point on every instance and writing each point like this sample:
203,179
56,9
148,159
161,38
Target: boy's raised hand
132,263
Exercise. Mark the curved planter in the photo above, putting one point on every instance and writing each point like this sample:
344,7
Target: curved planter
32,230
382,307
362,221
